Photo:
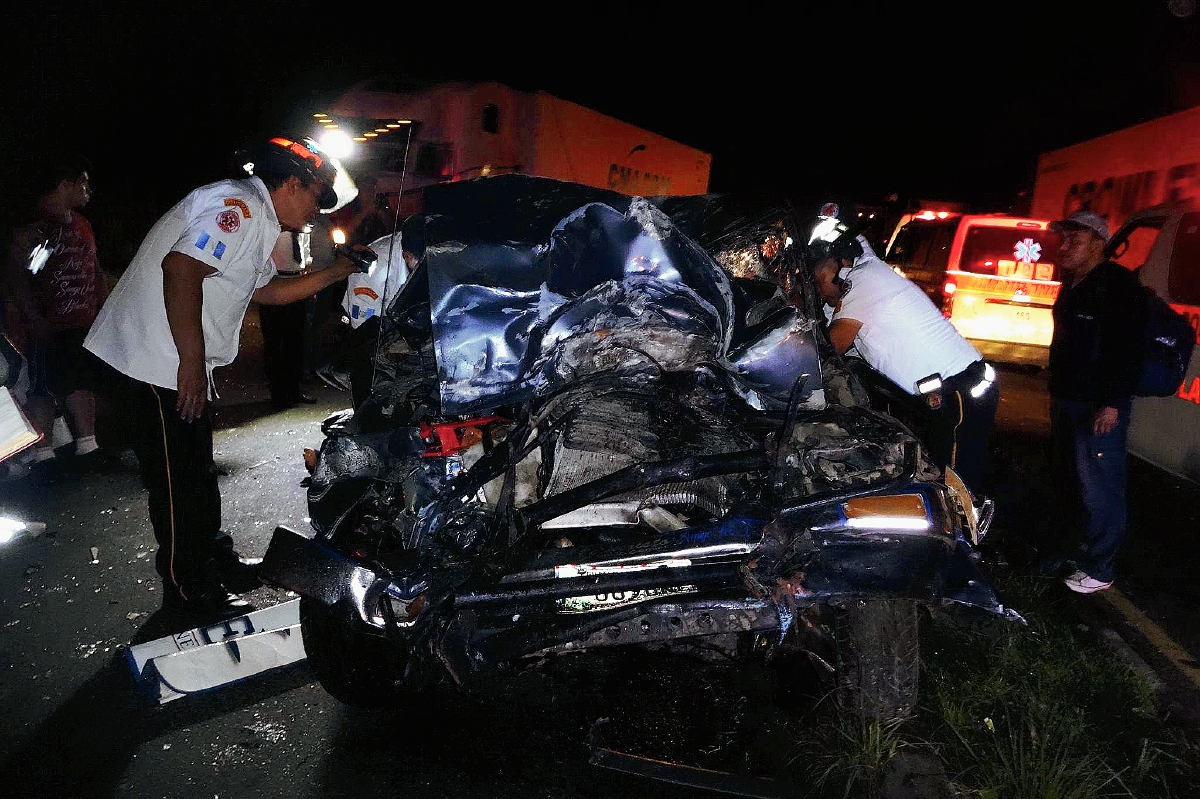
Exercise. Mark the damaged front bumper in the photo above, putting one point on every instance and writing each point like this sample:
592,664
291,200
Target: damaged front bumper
806,556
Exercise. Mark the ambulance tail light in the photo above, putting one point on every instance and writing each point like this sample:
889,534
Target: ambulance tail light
948,298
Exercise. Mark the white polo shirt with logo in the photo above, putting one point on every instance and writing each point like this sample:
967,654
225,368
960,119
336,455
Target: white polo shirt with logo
903,335
231,226
370,293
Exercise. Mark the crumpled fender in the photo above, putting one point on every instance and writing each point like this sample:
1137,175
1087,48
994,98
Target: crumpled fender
807,559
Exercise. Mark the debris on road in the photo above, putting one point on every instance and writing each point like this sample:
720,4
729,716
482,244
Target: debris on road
218,654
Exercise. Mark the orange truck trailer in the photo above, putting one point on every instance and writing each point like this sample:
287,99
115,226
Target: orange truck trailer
421,135
1154,163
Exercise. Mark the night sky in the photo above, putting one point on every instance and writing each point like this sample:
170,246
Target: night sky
938,101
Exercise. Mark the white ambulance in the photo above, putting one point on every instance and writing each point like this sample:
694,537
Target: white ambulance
992,275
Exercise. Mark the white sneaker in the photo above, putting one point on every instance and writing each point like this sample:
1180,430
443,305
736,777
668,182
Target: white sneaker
1080,583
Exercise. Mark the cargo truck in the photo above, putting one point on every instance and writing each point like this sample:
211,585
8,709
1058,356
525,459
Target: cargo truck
1154,163
421,135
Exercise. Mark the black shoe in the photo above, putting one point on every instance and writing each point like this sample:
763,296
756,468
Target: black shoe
236,573
241,577
213,602
334,379
95,461
45,472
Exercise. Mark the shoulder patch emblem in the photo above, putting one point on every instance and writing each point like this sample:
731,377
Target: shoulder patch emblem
229,221
239,204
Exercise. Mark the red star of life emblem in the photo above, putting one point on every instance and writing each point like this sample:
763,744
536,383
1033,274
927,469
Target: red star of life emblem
229,221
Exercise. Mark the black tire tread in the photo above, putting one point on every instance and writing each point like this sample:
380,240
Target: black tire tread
878,658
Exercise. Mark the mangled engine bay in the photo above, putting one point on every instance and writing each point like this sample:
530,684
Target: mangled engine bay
597,420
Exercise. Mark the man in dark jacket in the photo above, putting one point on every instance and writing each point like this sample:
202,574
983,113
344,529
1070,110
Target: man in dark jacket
1094,358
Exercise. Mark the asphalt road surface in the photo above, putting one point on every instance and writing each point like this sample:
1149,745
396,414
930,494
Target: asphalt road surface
72,599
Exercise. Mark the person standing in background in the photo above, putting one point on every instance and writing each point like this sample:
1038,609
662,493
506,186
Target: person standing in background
365,220
58,289
284,328
368,297
1094,357
325,301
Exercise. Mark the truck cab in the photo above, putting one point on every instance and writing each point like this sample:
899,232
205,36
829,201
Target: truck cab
991,275
1162,244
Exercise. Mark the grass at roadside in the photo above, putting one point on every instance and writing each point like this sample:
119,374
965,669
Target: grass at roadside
1011,712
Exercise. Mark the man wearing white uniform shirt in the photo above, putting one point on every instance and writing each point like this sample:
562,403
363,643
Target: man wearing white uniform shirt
175,315
368,295
896,329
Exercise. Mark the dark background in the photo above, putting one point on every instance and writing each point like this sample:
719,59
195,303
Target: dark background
949,101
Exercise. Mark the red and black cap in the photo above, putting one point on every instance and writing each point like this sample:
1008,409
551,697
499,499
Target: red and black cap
304,159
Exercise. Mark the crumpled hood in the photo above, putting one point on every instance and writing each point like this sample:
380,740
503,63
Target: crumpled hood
614,286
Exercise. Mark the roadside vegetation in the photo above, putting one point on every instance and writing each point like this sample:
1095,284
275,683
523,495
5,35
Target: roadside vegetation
1010,712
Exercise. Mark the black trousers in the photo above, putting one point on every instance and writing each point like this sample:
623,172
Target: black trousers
962,423
318,310
362,342
284,328
175,458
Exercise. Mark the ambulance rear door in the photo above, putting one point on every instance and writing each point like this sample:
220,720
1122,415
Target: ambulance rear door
1001,287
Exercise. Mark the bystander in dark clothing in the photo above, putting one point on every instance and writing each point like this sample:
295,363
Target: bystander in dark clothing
324,303
284,328
1094,358
58,289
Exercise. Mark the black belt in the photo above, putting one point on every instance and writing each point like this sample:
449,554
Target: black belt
967,378
976,380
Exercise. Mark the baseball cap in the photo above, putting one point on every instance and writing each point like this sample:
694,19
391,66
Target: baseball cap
1083,220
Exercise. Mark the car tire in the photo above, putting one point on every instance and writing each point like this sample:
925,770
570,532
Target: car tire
878,658
352,664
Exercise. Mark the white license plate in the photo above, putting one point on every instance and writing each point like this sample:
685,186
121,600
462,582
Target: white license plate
618,599
995,321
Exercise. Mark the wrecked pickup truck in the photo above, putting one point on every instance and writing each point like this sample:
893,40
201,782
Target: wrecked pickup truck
599,421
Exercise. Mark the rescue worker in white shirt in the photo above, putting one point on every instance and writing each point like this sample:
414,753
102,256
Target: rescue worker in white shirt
368,296
900,333
175,315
